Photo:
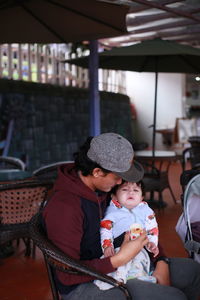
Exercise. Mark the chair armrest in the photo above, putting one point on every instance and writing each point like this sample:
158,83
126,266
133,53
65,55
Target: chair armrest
13,161
185,156
49,167
59,260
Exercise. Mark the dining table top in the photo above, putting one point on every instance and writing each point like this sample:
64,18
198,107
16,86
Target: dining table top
158,155
13,174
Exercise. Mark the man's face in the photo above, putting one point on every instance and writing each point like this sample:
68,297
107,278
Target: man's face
105,181
129,195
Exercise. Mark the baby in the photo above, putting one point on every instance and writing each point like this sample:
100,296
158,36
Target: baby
128,212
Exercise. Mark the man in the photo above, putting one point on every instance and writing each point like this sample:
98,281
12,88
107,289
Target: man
72,218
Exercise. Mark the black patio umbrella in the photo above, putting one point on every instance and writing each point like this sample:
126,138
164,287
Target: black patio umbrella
59,21
150,56
63,21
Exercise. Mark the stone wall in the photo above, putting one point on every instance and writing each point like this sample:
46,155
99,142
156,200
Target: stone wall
50,122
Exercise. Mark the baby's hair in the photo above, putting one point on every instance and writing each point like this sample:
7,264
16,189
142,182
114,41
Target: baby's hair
139,183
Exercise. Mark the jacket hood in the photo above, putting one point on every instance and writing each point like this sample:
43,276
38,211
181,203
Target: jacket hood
69,181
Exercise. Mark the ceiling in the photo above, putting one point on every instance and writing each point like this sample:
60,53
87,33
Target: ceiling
177,21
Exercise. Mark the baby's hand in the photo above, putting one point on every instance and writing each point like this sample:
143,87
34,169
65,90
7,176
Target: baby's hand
151,247
109,251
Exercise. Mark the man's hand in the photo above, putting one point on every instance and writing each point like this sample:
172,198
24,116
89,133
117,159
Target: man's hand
129,249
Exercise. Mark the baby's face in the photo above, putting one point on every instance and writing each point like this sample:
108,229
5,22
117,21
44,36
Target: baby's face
129,195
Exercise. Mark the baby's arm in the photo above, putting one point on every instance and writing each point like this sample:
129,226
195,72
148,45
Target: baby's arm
151,247
106,238
151,226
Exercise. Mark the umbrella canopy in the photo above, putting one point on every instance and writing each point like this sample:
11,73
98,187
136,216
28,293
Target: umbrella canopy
59,21
150,56
63,21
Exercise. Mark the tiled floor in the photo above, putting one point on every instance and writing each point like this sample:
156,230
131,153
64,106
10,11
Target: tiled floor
23,278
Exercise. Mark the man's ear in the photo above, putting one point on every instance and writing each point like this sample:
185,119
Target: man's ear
113,197
97,172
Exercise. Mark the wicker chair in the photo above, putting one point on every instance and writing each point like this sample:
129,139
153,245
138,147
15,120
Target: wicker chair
50,170
19,202
8,162
156,180
193,155
12,168
57,259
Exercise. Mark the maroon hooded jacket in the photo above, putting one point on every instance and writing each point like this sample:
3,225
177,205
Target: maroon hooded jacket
72,220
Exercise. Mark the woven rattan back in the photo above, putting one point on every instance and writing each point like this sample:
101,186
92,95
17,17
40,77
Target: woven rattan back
21,200
19,205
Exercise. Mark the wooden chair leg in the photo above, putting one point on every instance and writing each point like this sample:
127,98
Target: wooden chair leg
27,243
33,250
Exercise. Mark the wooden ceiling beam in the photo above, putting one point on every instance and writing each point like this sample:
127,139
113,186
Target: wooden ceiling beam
190,39
182,23
175,37
179,32
140,20
172,35
176,12
142,7
136,7
116,42
184,18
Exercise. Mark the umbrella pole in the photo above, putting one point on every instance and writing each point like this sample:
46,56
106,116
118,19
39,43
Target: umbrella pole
93,89
155,112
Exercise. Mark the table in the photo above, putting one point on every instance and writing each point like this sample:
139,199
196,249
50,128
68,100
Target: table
13,174
156,173
159,154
